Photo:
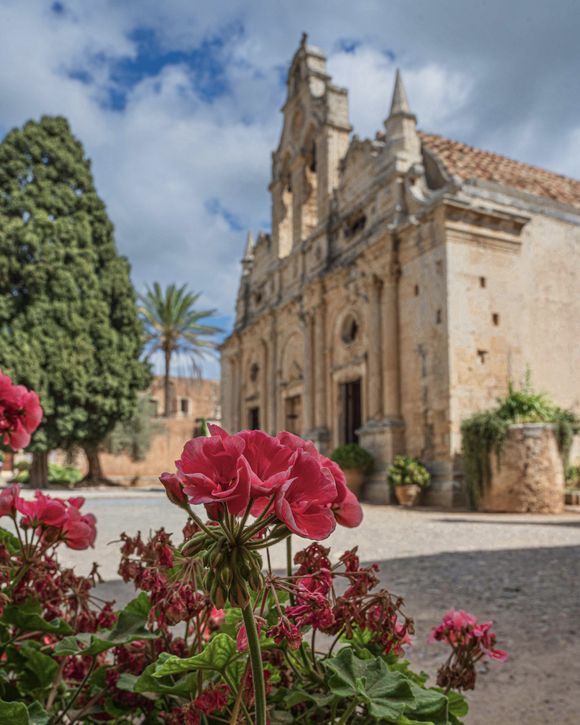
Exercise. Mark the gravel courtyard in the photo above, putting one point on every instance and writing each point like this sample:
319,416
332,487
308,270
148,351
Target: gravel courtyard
520,571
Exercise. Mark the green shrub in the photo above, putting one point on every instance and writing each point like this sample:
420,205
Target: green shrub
405,471
60,475
351,456
573,476
484,433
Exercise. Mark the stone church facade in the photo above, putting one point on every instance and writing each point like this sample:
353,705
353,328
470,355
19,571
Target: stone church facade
405,281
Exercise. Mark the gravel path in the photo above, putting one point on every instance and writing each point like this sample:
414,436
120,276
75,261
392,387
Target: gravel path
523,572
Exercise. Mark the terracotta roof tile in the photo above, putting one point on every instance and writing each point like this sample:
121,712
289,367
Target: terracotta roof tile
468,162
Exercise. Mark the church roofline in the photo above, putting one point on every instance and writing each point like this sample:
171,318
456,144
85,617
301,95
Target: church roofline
470,163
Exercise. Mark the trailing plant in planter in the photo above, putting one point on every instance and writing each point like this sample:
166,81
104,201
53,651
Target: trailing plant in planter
484,433
214,634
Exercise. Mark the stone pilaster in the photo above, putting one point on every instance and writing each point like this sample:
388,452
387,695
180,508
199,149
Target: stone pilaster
264,413
383,435
375,372
272,379
320,434
308,403
297,199
391,365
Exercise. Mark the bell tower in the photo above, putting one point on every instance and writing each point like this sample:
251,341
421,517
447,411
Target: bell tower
314,138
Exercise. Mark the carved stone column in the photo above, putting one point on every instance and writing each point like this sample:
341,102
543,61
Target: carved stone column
272,378
375,372
320,366
264,412
234,392
308,408
297,199
391,371
240,417
383,434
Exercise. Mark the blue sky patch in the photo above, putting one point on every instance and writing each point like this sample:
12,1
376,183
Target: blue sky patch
217,208
206,63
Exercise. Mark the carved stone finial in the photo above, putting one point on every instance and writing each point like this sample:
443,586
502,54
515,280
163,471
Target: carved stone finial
400,102
249,251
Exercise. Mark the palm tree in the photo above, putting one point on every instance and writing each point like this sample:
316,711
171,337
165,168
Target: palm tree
173,325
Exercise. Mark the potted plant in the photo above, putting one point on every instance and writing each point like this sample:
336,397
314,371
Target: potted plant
407,476
356,462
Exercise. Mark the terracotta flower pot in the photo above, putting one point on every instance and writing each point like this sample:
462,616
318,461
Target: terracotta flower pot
354,480
407,495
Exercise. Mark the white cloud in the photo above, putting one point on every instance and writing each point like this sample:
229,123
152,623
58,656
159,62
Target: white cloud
163,161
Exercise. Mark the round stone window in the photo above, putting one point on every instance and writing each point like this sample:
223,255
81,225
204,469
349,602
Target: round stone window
350,330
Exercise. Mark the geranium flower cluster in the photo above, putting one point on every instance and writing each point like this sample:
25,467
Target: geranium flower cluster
20,413
210,702
174,599
317,604
52,519
282,477
470,642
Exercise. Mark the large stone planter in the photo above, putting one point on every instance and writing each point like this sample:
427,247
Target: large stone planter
529,477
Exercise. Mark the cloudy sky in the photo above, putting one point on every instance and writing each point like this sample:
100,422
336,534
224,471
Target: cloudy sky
177,102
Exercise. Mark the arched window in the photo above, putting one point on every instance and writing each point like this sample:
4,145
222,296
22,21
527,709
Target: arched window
349,330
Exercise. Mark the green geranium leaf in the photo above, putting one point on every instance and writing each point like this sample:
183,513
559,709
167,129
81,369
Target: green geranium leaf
132,619
67,646
28,617
129,627
39,669
10,541
231,621
217,655
457,707
430,705
386,695
37,715
397,665
14,713
147,683
126,681
296,696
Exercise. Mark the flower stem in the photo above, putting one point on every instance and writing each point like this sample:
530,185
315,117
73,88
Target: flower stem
257,667
289,555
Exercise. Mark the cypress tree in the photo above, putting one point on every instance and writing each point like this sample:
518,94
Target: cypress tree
69,327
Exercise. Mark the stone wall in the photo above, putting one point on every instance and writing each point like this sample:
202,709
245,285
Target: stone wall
529,477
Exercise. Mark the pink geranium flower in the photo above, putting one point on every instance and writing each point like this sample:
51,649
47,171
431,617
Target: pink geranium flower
347,509
303,502
20,413
79,531
9,498
174,489
269,460
213,470
42,511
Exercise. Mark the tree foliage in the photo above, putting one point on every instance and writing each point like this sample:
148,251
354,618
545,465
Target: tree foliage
173,325
134,436
68,321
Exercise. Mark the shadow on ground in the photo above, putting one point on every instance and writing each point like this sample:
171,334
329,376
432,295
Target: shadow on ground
509,522
533,597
